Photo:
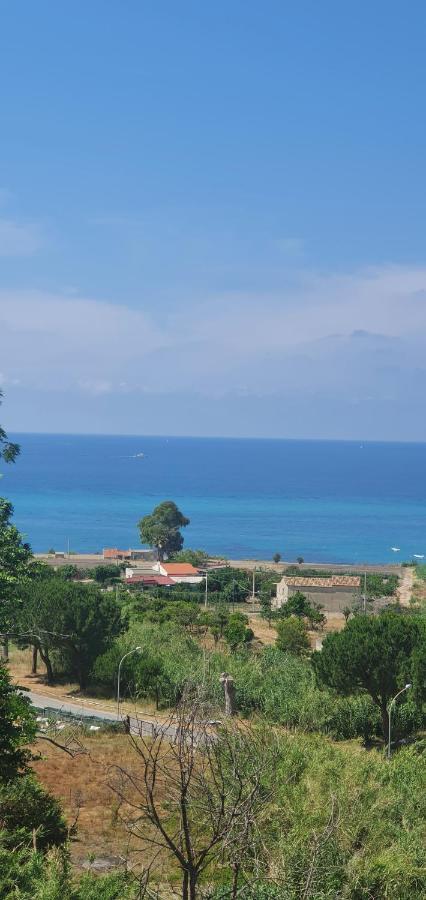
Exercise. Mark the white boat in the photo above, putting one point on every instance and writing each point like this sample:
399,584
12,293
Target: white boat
418,555
138,456
396,549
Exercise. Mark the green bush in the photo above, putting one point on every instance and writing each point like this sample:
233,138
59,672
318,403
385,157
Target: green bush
26,808
17,728
29,875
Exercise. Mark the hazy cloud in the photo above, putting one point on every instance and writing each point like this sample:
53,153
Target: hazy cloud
19,239
325,346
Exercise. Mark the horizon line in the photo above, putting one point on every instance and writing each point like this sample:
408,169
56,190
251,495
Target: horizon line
213,437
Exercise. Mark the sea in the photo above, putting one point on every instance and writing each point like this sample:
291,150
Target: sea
328,501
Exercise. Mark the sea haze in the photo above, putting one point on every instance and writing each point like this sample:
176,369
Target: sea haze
324,500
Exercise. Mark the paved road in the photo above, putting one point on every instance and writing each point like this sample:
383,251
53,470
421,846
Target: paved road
137,726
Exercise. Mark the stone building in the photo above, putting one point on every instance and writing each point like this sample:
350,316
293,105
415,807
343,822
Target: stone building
333,592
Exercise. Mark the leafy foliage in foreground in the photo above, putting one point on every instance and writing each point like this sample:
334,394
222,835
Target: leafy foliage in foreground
17,729
29,875
376,655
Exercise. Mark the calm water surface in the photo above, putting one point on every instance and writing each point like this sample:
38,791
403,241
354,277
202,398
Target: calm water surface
324,500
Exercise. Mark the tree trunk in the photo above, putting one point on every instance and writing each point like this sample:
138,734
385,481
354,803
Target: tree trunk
192,886
49,670
185,886
235,874
82,680
227,682
34,661
5,648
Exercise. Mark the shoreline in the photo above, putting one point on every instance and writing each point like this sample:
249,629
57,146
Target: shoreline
90,560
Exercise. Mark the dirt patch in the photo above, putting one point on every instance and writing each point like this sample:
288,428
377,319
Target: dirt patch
405,588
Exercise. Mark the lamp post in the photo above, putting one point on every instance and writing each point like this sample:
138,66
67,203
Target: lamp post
391,704
136,650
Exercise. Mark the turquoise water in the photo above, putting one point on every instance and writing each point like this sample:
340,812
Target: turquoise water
324,500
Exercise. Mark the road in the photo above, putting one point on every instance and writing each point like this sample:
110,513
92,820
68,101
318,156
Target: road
137,726
406,586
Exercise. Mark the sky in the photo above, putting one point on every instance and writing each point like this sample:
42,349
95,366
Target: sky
212,218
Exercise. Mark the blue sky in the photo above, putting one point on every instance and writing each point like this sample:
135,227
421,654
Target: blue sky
212,217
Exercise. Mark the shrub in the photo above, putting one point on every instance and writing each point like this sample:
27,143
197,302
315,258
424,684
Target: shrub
293,636
26,807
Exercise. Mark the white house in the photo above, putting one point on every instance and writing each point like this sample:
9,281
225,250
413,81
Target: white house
180,573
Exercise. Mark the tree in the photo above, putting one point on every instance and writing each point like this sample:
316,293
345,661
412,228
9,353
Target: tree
78,620
30,814
15,558
266,606
297,605
198,798
300,560
67,572
236,631
150,677
161,528
197,558
293,636
276,557
376,655
235,592
17,728
8,450
106,574
315,617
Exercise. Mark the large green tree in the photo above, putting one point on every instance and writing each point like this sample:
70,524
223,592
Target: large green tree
376,655
77,620
161,529
15,569
17,728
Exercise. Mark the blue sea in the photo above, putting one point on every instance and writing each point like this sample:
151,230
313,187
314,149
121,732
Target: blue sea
330,501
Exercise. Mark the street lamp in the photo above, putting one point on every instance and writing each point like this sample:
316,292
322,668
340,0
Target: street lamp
406,688
136,650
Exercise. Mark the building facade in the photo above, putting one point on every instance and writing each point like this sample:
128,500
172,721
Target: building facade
334,593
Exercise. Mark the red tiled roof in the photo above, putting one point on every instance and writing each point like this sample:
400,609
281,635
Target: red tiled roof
113,553
150,579
332,581
179,569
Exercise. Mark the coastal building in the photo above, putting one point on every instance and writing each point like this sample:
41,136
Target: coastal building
334,593
165,574
113,554
146,579
180,573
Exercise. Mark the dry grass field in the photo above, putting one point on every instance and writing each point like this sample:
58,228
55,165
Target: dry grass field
81,784
84,786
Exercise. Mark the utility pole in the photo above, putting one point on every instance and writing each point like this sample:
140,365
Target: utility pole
253,595
206,591
365,593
